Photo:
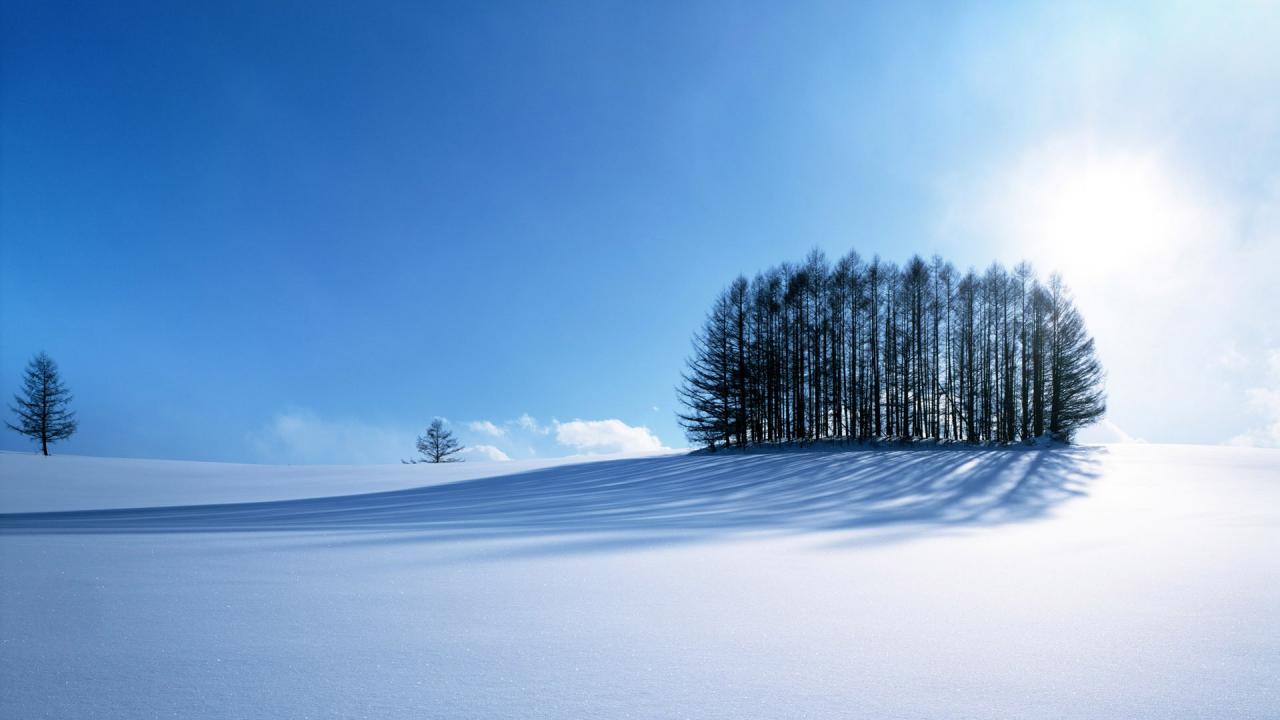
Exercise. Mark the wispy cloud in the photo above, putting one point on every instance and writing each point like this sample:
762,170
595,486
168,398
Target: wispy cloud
527,423
301,436
484,427
1263,402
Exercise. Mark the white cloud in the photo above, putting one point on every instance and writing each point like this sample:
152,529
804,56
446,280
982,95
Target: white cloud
1264,404
484,427
484,452
303,437
606,436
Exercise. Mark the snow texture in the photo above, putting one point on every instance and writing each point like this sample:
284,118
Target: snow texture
1128,581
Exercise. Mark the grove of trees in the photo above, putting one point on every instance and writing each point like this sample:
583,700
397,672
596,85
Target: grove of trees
867,350
42,408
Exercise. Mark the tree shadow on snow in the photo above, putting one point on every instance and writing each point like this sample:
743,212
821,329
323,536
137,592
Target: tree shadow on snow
627,503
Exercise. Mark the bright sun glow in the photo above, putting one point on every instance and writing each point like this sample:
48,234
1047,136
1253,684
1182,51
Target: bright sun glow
1094,216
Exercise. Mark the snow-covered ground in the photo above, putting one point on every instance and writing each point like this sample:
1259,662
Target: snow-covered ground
71,482
1128,581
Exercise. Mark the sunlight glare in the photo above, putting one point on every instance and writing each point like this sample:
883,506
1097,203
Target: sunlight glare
1096,216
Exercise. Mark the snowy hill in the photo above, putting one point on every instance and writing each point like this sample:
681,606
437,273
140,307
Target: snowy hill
1120,581
71,482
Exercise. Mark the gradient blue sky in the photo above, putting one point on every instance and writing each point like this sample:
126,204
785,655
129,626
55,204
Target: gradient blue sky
294,232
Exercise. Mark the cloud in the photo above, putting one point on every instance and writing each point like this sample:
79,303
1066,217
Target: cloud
529,424
1233,359
606,436
302,437
1263,402
484,427
484,453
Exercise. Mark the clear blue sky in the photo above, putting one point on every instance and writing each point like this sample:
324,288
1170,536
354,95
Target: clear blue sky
296,232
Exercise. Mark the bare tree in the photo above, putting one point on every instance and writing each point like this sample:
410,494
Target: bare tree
42,406
438,445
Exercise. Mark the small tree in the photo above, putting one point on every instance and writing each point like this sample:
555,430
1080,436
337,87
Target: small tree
438,445
42,405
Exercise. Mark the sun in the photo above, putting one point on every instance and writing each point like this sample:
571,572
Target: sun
1093,216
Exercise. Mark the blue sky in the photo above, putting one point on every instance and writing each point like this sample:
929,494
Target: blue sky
281,233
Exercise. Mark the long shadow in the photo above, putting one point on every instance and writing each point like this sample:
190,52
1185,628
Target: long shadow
662,499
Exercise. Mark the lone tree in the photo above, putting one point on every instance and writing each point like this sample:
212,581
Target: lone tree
42,405
438,445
